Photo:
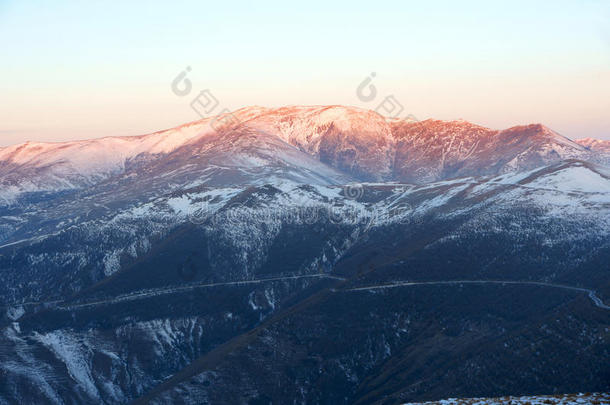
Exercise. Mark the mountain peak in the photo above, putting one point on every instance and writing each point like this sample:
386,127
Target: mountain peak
599,145
346,141
537,133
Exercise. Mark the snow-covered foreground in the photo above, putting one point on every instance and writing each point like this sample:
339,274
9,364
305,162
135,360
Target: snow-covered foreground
596,398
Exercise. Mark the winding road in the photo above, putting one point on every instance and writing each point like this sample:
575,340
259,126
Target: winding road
172,290
592,294
62,305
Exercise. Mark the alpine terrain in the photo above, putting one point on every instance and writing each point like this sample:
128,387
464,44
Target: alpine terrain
319,254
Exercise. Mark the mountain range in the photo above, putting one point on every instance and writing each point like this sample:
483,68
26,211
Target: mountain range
319,254
322,145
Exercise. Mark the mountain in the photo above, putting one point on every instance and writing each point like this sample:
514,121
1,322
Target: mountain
600,148
252,143
36,167
595,144
304,255
182,298
435,150
358,142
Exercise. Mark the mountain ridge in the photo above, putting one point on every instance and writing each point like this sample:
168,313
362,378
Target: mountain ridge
350,143
162,283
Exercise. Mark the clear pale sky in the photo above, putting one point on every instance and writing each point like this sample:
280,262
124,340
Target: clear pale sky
82,69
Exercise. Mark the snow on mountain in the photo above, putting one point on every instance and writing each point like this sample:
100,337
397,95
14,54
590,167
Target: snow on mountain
353,140
317,144
534,145
172,244
428,150
577,177
601,149
34,166
600,145
567,399
433,150
569,189
240,231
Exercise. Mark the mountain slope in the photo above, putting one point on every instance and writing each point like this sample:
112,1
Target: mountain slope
349,143
436,150
595,144
250,262
184,296
601,149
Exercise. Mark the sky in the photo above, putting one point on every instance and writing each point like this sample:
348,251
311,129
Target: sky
85,69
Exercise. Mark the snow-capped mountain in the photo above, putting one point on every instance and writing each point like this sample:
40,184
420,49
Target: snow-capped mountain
322,145
304,254
358,142
600,148
433,150
597,145
137,300
33,166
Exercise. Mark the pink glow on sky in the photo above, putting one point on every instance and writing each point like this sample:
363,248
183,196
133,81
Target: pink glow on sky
80,70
